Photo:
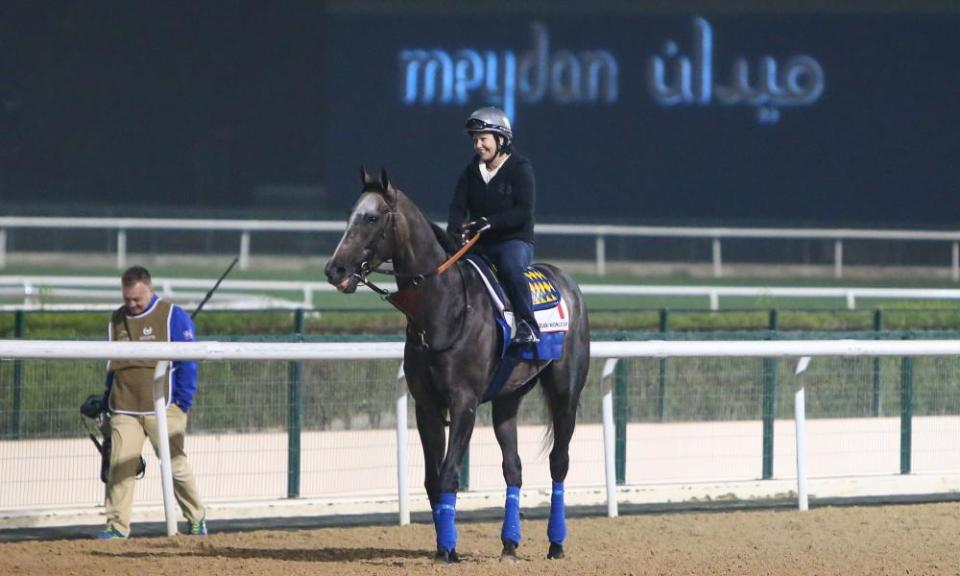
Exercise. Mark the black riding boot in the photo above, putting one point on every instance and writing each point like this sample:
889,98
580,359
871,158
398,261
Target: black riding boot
525,334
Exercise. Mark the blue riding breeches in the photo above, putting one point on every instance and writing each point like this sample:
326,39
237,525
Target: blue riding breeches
512,257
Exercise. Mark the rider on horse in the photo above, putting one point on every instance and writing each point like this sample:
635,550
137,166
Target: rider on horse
495,194
452,351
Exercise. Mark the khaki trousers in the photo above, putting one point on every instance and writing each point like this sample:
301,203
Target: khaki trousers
127,436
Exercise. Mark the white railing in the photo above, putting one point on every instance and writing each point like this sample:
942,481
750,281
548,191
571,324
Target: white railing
292,351
34,289
211,351
599,232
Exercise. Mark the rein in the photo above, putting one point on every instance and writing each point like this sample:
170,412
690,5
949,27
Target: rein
404,299
417,278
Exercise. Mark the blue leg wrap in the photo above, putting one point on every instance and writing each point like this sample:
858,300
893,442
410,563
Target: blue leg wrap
444,520
511,516
557,526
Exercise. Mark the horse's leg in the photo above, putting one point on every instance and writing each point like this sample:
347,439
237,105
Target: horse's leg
463,412
562,383
505,428
433,439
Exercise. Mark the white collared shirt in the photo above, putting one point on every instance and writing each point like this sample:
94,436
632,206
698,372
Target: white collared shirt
488,175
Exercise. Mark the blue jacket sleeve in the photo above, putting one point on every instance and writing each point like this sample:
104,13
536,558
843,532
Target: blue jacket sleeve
184,371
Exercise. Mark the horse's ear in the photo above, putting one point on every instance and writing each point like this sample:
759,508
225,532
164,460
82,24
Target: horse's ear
365,178
389,192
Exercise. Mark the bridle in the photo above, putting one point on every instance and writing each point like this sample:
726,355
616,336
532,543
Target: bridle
404,298
370,249
364,270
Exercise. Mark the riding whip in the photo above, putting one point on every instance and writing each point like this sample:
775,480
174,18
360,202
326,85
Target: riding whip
215,286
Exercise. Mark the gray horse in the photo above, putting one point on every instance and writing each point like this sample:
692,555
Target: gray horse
452,351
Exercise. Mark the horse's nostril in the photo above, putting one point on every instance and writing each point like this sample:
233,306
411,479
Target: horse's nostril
334,271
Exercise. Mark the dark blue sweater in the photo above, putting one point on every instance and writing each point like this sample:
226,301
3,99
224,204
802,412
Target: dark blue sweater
507,201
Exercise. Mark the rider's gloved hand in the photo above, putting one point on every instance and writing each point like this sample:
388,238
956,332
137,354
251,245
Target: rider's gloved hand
475,227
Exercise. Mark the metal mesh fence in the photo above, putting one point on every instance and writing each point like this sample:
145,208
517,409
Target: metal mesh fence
731,418
268,429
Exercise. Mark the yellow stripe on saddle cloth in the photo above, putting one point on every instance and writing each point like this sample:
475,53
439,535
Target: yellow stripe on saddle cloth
542,290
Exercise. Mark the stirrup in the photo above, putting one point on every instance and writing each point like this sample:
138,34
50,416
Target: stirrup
524,334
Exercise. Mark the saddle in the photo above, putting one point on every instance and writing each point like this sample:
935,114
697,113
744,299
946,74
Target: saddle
549,310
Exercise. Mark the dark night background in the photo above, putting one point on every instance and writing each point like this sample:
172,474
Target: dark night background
263,110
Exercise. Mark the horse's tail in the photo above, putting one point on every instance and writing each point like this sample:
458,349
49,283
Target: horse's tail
546,443
562,381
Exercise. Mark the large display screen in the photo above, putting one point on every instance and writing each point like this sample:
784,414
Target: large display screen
728,118
742,118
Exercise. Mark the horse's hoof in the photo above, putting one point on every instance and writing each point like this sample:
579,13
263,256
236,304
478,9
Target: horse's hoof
556,551
509,553
446,557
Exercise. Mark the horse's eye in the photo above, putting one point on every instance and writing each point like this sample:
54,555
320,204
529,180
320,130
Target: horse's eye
372,219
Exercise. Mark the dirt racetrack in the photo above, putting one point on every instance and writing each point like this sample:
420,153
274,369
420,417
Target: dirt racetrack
917,539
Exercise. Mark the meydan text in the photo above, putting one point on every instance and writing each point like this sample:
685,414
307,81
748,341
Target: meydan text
673,79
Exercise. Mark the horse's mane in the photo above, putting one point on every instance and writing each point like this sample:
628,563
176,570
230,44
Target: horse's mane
446,241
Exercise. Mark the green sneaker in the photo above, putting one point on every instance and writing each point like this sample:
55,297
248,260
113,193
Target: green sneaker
111,533
198,528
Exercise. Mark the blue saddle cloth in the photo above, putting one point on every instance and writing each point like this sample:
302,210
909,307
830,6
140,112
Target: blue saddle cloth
546,302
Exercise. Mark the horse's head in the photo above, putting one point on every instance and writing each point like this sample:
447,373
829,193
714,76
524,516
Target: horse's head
369,238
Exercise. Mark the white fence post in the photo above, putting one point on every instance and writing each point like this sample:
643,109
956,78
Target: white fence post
955,261
609,439
800,415
799,409
163,443
601,256
403,459
3,247
717,259
121,249
245,250
838,258
28,293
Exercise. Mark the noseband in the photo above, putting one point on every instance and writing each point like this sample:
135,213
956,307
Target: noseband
404,299
416,279
370,249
